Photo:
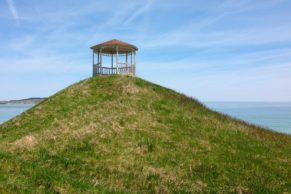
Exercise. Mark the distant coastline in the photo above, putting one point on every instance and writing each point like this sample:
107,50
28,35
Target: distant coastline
23,101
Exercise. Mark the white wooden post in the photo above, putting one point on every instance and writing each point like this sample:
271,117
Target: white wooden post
100,67
93,64
134,64
126,65
131,57
98,59
117,71
111,63
101,57
131,64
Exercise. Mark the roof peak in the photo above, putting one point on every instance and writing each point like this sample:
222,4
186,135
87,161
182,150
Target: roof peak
114,43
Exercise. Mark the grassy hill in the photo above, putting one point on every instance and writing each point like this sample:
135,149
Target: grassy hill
119,134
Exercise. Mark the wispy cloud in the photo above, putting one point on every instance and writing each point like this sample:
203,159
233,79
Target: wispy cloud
201,42
13,10
210,29
139,12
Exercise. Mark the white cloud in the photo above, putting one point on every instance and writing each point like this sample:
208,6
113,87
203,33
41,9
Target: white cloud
13,9
258,84
143,8
195,50
21,43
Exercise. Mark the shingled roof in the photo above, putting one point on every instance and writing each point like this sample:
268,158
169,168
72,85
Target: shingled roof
111,45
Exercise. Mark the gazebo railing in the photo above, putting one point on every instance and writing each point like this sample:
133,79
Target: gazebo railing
98,70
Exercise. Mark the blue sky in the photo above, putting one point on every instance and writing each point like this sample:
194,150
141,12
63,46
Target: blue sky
223,50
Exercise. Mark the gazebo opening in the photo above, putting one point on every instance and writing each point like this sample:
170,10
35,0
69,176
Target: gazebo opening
114,57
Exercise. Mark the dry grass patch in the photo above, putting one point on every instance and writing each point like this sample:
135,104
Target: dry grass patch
26,142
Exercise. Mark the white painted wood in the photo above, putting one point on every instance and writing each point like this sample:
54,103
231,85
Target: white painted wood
117,70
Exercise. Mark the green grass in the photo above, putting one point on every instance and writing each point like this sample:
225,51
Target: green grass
119,134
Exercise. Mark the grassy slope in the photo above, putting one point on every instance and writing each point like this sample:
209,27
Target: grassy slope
123,134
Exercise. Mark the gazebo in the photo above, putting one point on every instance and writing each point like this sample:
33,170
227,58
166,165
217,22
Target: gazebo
122,57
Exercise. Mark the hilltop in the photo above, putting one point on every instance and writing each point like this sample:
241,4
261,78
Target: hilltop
122,134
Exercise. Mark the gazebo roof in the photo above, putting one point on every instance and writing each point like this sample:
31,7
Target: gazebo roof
110,47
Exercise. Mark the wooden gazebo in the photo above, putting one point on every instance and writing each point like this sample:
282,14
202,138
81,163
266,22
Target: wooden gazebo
115,49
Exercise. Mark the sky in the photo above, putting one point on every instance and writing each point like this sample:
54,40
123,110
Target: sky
222,50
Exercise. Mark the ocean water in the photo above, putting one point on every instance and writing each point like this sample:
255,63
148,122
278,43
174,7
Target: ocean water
275,116
8,111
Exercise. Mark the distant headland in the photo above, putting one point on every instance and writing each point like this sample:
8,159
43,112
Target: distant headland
23,101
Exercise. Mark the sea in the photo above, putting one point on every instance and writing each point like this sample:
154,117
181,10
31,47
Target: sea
8,111
273,115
